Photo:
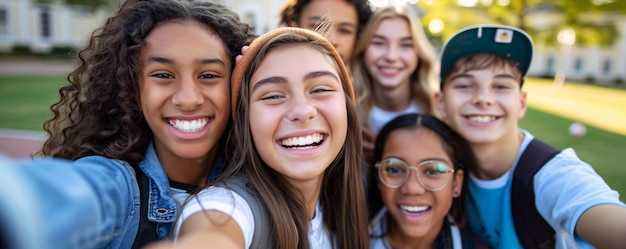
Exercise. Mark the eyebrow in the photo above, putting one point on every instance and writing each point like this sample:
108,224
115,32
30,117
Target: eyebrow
407,38
165,60
317,18
283,80
466,75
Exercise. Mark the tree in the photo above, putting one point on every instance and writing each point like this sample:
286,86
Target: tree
542,19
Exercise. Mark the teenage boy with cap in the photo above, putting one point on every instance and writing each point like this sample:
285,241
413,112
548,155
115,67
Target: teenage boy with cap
482,72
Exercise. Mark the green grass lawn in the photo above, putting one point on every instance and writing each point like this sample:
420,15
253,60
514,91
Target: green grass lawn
605,151
25,102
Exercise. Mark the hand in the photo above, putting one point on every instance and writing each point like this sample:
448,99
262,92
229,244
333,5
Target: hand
244,49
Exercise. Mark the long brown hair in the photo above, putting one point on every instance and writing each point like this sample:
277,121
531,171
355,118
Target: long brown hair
422,80
99,113
342,197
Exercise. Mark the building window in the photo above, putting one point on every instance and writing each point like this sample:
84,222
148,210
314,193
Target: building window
578,65
45,22
550,64
606,66
4,22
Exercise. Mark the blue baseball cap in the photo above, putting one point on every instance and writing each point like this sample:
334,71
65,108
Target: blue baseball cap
506,41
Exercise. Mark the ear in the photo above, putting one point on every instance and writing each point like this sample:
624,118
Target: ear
457,183
292,24
523,105
439,99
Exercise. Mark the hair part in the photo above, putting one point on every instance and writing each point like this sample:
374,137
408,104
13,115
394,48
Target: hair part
99,112
421,81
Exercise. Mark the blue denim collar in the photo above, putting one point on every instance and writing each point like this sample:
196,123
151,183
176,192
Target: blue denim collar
161,208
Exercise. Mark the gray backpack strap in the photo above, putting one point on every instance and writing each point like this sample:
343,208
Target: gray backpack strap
263,237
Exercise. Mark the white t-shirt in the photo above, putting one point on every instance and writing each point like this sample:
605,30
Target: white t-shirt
379,118
229,202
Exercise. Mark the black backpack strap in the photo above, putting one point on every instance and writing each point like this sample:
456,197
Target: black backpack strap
532,230
147,231
263,231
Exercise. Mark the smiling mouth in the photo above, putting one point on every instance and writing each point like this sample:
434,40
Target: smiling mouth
389,71
304,142
481,118
414,209
189,125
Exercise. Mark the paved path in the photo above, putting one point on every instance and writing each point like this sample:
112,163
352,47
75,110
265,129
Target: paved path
35,67
20,144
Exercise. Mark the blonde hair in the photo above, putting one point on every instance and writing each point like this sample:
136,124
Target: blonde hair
421,80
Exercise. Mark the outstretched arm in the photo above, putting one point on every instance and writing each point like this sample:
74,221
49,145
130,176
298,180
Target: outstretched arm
603,226
53,203
206,229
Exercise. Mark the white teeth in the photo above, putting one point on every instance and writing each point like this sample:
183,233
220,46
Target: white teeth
189,125
482,119
414,209
309,140
389,70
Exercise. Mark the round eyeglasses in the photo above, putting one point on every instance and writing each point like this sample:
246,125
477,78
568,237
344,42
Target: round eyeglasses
433,175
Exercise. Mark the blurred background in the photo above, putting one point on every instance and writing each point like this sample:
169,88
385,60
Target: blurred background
576,86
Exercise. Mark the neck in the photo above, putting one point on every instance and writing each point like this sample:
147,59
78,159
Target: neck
189,171
399,240
495,159
392,99
310,193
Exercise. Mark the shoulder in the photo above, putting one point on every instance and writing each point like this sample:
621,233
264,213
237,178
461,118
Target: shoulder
223,200
100,161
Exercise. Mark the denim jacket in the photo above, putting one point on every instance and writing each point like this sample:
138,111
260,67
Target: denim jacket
92,202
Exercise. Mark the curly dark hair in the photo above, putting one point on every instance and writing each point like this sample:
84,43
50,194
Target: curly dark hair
99,113
292,9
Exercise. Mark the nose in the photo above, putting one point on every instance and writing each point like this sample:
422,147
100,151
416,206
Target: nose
301,110
187,95
482,97
412,185
392,53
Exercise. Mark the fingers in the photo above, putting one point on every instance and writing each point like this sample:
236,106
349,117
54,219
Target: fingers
244,49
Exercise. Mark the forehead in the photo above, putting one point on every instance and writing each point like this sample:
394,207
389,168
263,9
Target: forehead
338,11
184,39
287,61
393,27
412,142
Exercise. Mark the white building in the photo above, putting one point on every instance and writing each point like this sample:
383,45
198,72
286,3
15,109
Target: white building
44,26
